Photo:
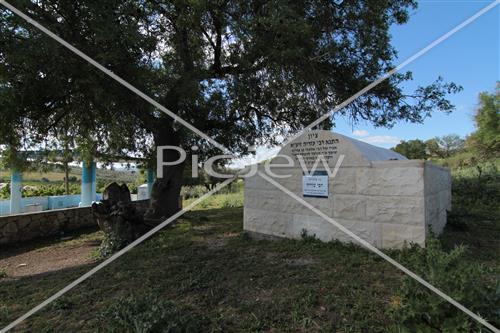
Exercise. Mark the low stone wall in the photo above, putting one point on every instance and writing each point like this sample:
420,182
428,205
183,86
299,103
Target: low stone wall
24,227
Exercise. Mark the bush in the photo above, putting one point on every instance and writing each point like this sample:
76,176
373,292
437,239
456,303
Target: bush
109,245
3,273
417,309
189,192
42,190
72,179
132,187
101,185
149,313
5,191
477,193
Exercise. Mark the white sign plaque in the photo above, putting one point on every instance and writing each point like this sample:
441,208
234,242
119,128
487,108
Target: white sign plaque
315,186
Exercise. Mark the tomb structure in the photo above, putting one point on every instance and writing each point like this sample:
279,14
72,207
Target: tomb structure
376,193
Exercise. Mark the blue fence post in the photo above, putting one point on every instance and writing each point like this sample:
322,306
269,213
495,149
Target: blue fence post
16,180
88,183
150,180
94,181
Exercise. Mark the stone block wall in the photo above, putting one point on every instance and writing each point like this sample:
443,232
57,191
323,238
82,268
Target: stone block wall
437,196
387,204
24,227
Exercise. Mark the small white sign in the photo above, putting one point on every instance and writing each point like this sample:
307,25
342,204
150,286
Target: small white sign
315,186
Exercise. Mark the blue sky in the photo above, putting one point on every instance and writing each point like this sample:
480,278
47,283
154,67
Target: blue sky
469,58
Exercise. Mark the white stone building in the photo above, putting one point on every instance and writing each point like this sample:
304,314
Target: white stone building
377,194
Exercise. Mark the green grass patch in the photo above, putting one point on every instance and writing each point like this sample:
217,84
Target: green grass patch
51,182
230,200
228,197
206,274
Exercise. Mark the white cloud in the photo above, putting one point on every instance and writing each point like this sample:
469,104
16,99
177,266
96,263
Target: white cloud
360,133
382,140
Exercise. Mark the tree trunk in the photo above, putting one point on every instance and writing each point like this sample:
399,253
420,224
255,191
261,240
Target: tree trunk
165,195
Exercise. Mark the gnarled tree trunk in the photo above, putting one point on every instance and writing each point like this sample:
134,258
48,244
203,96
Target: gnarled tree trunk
166,191
117,216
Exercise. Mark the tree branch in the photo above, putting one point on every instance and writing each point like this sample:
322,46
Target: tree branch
217,66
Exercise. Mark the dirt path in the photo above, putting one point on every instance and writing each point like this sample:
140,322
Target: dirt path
41,258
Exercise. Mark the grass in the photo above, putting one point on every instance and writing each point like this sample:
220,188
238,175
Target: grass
51,182
474,220
206,264
227,200
222,280
57,176
204,274
228,197
31,178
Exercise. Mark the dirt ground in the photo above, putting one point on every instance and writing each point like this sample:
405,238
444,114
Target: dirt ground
49,255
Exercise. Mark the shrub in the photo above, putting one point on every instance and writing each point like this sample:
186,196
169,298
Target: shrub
477,193
3,273
101,185
5,191
132,187
4,313
149,313
196,191
42,190
308,238
417,309
109,245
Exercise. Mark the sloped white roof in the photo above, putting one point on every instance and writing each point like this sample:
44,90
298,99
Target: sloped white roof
373,153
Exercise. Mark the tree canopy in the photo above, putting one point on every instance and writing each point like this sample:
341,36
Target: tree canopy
445,146
486,138
412,149
240,71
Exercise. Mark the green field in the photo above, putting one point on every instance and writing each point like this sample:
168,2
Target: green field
57,176
52,182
